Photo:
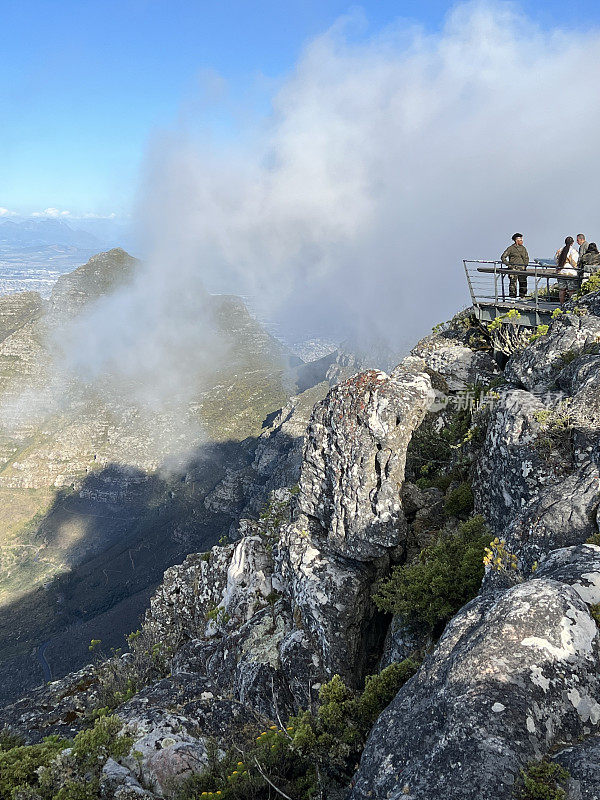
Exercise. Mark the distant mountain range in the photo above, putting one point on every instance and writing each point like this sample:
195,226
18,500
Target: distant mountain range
27,233
34,252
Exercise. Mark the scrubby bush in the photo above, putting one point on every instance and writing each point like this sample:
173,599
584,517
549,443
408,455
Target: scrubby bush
314,755
591,285
19,765
148,660
541,780
459,501
58,769
434,449
446,575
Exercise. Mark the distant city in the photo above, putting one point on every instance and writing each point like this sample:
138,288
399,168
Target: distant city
35,252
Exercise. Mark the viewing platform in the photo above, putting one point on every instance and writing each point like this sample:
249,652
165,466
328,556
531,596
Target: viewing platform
488,283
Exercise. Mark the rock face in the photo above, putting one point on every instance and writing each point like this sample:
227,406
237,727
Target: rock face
256,626
512,470
354,461
350,510
252,629
513,675
458,366
536,366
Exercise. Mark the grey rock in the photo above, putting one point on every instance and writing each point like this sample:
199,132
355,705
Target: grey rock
330,596
511,470
116,781
562,515
354,461
583,763
57,708
457,365
514,674
578,567
402,640
536,366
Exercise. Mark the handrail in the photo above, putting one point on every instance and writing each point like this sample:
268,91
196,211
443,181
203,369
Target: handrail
481,295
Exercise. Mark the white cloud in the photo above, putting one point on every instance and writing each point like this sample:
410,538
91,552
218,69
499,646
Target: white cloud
53,213
5,212
385,163
96,216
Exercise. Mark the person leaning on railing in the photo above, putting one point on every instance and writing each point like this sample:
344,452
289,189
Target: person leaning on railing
516,257
566,261
589,262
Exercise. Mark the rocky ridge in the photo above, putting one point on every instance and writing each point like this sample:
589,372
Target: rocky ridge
251,632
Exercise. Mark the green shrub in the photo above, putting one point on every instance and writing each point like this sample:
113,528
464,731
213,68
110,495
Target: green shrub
433,453
569,356
19,765
44,771
593,539
540,331
595,612
459,501
446,575
541,781
9,740
315,753
591,285
149,660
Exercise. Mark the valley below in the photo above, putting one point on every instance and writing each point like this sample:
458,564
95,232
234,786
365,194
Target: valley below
98,495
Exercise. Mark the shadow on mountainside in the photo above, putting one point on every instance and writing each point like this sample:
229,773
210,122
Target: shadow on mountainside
131,526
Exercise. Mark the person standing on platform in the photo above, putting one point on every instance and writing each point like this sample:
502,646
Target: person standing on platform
583,245
516,257
566,261
589,264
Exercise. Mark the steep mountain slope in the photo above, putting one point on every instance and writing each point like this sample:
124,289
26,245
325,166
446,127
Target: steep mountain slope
89,521
249,676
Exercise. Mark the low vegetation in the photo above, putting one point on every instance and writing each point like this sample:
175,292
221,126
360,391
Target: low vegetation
446,575
313,756
542,780
120,679
59,769
591,285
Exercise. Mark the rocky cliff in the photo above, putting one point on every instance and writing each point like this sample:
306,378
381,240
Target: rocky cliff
413,614
91,517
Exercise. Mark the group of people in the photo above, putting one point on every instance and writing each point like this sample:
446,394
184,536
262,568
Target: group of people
574,265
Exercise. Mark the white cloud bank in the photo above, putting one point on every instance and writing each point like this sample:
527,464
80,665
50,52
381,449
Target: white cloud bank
387,162
6,212
384,164
51,213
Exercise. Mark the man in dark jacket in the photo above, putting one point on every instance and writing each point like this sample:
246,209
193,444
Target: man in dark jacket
517,257
589,263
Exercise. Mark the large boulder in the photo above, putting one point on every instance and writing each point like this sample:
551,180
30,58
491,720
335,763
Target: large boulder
457,365
514,674
350,516
513,466
354,461
536,366
562,515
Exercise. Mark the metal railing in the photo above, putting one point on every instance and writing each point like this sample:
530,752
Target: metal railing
488,283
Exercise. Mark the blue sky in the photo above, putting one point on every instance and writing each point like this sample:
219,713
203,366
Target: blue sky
86,84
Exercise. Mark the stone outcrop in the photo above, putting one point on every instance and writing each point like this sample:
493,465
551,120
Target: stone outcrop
535,367
458,366
253,629
354,462
513,675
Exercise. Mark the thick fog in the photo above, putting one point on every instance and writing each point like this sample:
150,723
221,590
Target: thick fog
347,211
384,164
